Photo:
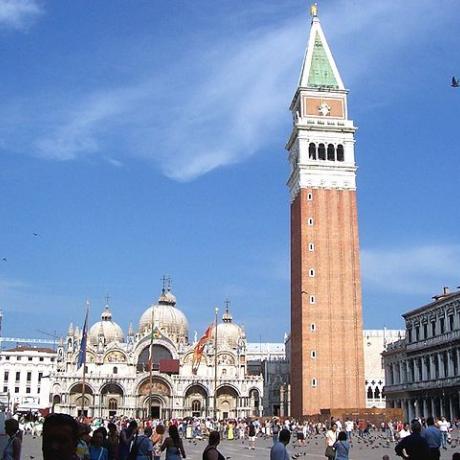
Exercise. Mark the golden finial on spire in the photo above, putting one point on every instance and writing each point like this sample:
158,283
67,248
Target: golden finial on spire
314,10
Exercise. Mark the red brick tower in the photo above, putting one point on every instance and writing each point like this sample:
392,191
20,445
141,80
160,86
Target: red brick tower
327,364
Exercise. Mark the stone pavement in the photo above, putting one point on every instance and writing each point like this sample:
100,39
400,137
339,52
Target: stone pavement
375,448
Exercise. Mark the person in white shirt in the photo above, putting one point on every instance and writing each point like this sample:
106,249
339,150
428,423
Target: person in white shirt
444,426
349,425
331,439
404,432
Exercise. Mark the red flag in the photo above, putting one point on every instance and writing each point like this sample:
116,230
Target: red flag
199,348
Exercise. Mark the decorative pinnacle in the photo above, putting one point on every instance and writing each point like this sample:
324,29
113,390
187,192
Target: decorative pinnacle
314,10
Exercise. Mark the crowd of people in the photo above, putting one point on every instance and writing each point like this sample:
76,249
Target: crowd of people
64,437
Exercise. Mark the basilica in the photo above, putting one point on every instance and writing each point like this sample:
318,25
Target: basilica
152,371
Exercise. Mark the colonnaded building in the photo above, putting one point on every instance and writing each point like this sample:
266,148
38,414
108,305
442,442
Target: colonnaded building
118,377
422,370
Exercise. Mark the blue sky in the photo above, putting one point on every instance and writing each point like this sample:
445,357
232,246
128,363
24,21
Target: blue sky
147,137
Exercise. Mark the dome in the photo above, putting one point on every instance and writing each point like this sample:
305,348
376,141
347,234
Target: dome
108,328
166,317
228,332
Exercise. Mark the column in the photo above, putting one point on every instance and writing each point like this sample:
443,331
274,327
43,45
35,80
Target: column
425,408
424,369
408,378
450,363
402,377
451,408
411,410
440,365
406,409
432,367
433,407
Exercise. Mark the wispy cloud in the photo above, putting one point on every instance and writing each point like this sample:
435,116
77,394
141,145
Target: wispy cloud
416,270
18,14
221,103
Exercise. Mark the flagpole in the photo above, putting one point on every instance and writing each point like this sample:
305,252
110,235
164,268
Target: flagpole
151,368
84,362
215,364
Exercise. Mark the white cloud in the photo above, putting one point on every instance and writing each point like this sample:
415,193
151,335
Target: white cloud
416,270
221,103
18,13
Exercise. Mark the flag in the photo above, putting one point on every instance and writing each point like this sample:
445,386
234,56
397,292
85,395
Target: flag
84,338
199,348
150,360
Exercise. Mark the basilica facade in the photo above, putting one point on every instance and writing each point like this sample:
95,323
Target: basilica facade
119,380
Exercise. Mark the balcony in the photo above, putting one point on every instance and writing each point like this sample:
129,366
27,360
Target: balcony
422,385
444,339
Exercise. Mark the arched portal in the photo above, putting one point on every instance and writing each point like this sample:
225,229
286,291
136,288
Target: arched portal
111,399
159,353
84,405
254,401
196,401
226,402
155,399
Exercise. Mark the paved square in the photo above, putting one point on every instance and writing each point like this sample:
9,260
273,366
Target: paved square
375,448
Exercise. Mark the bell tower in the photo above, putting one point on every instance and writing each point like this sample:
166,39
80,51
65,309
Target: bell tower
327,364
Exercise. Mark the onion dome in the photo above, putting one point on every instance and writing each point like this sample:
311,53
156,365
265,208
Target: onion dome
228,332
106,328
166,317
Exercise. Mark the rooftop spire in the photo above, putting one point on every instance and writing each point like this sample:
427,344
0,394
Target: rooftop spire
319,69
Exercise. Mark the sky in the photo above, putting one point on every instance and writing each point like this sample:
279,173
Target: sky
146,137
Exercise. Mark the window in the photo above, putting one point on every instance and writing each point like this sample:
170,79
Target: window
18,376
433,328
18,358
42,358
451,322
311,272
16,389
52,360
417,333
5,389
330,152
313,354
314,383
30,358
196,406
409,335
310,221
311,247
321,152
27,390
40,375
312,299
442,326
115,370
29,376
312,327
312,151
370,393
425,331
377,393
309,196
340,153
7,358
7,376
113,405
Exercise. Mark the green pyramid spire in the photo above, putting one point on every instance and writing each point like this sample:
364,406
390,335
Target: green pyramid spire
321,74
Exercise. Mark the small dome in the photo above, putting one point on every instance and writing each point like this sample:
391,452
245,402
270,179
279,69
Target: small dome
166,317
107,328
228,332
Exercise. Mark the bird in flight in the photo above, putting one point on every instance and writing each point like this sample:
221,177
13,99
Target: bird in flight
35,234
455,82
4,259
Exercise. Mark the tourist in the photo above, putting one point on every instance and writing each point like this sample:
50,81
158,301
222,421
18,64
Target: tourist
456,456
444,426
142,446
433,438
60,437
211,452
252,435
97,451
157,441
112,441
413,446
342,446
126,438
84,439
331,439
173,445
230,436
404,432
275,431
12,450
349,425
278,450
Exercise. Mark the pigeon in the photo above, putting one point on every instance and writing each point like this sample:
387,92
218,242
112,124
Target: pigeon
4,259
455,82
35,234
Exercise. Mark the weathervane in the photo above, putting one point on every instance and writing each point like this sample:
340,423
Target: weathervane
314,10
